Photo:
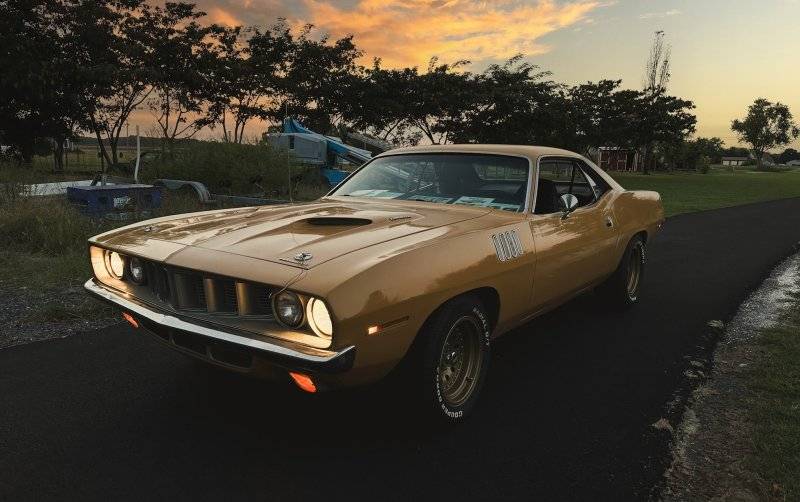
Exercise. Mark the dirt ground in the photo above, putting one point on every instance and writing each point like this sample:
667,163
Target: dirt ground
713,444
28,316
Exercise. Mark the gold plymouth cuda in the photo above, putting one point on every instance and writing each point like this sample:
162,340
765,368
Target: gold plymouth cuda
411,266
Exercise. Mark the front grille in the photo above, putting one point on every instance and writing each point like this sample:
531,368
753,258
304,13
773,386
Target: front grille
193,291
158,280
228,301
262,300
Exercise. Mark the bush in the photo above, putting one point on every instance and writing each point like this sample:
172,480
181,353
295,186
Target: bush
48,226
233,169
703,164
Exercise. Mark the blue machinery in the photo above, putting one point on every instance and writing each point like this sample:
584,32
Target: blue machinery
327,152
331,154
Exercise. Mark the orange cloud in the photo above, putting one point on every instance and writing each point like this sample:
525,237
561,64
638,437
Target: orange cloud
223,17
410,32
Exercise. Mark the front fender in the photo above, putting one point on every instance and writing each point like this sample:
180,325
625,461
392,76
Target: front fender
398,289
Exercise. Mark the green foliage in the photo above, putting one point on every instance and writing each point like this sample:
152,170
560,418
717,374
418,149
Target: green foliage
788,155
776,413
39,83
766,126
703,164
181,61
246,77
514,102
711,148
98,61
230,168
43,239
263,73
45,226
697,154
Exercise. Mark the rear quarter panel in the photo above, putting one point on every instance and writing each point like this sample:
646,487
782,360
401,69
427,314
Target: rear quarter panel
637,211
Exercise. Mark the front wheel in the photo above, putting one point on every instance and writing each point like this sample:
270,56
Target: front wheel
623,287
452,359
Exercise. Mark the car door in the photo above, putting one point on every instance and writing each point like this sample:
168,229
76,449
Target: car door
575,252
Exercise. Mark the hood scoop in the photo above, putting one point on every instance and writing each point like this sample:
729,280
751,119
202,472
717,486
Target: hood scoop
337,221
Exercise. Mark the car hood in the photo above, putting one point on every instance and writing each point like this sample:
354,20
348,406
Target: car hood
302,235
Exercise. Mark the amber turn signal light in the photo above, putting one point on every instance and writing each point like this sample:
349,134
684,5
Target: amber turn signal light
303,381
130,319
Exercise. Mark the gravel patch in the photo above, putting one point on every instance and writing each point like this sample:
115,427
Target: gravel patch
27,316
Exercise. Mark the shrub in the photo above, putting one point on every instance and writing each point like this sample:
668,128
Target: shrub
229,168
46,225
703,164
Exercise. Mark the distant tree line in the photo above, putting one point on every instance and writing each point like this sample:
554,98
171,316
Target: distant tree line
70,66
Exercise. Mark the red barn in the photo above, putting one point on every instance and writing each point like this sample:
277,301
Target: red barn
612,158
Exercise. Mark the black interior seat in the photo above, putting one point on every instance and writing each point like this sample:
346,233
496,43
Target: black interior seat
546,197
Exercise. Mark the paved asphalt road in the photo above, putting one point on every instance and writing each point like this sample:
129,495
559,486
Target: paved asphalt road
565,414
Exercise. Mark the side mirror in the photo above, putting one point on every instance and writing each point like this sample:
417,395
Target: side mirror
569,203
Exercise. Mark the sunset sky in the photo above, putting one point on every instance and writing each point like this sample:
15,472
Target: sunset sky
725,53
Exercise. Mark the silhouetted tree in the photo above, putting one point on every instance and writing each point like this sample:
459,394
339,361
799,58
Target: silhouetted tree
109,40
657,69
766,126
788,155
42,90
180,54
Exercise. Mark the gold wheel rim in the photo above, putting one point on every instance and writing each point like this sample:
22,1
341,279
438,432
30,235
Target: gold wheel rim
460,361
634,272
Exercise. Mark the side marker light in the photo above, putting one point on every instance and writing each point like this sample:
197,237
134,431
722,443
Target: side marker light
303,381
133,322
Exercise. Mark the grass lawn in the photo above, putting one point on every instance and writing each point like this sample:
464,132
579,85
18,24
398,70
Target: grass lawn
776,410
688,192
43,250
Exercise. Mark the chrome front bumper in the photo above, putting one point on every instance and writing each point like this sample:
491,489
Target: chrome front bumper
280,353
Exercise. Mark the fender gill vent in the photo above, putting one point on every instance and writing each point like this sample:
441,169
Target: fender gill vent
507,245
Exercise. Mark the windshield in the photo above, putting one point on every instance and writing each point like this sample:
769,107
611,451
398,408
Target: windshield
494,181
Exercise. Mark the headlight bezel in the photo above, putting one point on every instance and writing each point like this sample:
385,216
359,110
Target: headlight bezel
129,269
109,259
321,323
300,304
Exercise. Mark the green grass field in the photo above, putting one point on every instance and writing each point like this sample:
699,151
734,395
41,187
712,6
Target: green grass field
688,192
776,410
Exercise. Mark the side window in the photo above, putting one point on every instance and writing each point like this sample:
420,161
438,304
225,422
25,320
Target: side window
556,170
546,187
599,185
559,177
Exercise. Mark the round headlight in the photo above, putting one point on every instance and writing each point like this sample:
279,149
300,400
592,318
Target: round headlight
115,264
136,270
288,309
319,318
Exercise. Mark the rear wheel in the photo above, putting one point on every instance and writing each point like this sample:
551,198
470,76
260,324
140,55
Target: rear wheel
623,287
450,360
